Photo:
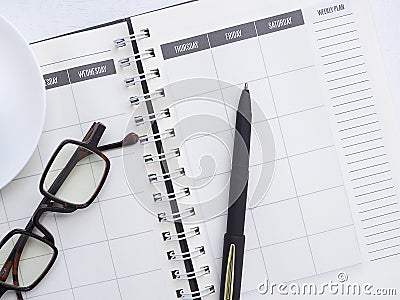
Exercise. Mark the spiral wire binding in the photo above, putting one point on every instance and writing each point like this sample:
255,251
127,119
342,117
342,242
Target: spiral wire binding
140,120
147,139
122,42
154,178
141,77
179,216
150,158
163,157
173,237
176,274
159,197
136,100
172,255
208,290
127,61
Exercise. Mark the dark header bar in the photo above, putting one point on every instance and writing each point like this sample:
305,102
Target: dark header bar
186,46
91,71
280,22
78,74
56,79
232,34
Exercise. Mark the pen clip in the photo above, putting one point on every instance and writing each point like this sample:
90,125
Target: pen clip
230,273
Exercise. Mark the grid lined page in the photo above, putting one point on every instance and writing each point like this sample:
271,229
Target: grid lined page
309,222
106,250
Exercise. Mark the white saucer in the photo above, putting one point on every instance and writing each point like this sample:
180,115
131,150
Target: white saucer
22,102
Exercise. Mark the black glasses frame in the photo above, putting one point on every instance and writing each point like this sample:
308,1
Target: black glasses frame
18,251
73,161
50,203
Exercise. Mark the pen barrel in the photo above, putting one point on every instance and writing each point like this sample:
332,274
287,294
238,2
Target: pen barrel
231,279
237,201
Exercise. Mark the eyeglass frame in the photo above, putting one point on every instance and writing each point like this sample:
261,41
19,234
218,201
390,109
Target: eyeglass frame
95,150
89,142
13,287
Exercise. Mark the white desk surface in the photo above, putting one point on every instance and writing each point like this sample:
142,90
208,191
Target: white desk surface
41,19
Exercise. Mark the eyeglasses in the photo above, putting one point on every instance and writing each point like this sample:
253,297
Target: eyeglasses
71,180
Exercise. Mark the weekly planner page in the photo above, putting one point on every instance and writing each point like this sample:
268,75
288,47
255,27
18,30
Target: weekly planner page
316,78
106,251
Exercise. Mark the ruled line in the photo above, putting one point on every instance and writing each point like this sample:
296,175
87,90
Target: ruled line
342,60
379,207
365,159
345,68
362,143
358,126
371,175
350,84
363,151
343,51
352,93
376,191
371,184
386,248
349,14
77,57
356,118
349,76
360,134
369,167
336,35
352,110
336,26
340,43
380,224
383,257
375,200
380,216
353,101
381,232
384,240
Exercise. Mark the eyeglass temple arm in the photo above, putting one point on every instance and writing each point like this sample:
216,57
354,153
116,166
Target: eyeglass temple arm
13,262
15,269
130,139
16,260
95,132
93,136
5,270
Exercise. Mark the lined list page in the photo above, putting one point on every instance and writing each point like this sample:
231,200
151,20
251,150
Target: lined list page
352,102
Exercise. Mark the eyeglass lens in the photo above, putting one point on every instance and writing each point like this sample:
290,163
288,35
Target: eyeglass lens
82,171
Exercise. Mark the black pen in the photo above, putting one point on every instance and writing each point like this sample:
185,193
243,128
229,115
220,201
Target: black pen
233,252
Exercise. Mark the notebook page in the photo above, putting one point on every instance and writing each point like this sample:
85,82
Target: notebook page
315,71
106,251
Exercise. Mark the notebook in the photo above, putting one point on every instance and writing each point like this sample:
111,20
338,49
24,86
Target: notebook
323,189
